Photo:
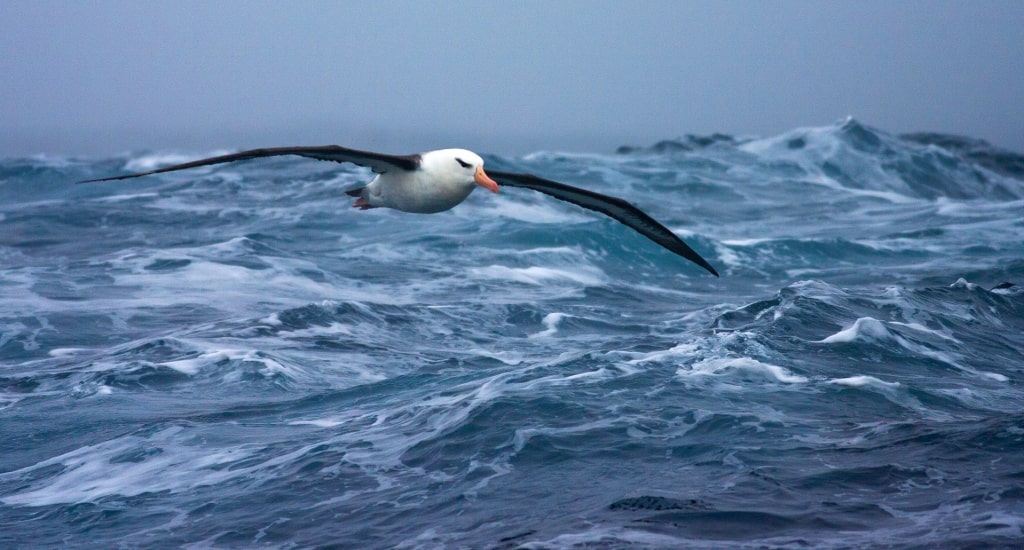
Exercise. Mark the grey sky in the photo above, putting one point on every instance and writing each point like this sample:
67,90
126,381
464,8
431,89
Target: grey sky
103,77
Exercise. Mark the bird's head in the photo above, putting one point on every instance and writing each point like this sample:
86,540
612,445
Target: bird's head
459,165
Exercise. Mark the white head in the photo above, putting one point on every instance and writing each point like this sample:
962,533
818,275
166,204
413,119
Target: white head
458,165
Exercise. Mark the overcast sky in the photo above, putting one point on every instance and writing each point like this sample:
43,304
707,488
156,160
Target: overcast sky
103,77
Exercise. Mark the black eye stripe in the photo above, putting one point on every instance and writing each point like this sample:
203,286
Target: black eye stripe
463,163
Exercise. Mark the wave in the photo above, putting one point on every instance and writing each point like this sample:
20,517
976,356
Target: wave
519,372
853,156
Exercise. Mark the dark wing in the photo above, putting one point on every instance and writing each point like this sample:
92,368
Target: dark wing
378,162
613,207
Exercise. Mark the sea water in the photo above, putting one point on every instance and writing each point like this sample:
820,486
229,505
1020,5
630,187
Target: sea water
233,356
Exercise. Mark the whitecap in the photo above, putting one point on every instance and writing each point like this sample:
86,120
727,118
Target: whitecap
716,366
270,366
273,320
510,358
727,255
63,352
191,367
863,329
962,283
332,329
864,380
550,321
819,290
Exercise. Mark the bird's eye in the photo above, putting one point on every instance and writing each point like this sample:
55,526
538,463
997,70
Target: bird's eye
463,163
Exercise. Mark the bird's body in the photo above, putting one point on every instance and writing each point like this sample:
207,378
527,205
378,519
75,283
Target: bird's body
438,185
435,181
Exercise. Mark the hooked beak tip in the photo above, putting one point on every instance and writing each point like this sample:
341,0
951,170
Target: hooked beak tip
483,180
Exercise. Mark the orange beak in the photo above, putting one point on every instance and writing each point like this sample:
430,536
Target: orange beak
484,181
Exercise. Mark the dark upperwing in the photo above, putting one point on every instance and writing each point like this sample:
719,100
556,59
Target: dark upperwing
613,207
378,162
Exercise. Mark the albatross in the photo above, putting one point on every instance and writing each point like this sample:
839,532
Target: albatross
434,181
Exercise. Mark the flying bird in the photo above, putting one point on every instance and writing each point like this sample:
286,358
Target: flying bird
426,183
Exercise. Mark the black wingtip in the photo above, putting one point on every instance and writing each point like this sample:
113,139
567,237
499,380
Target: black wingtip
703,263
682,249
112,178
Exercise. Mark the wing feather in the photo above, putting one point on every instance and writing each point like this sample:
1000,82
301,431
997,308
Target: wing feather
378,162
612,207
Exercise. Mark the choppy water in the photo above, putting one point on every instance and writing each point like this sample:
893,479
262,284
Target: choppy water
233,357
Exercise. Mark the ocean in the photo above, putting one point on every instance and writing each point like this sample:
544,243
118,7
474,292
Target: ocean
234,357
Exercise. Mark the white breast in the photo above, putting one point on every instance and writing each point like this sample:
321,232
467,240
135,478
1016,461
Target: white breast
419,192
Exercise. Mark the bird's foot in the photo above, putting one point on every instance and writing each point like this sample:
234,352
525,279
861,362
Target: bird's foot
362,204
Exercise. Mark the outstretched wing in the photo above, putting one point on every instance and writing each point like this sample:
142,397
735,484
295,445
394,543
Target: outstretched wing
613,207
378,162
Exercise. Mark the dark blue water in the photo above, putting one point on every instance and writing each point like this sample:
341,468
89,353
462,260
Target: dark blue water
233,357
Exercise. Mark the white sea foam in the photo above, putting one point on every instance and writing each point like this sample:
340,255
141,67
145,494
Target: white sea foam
994,376
681,351
334,328
277,301
523,436
819,290
267,366
921,328
62,352
273,320
823,152
511,358
208,278
167,461
864,380
538,275
9,399
552,250
865,329
320,422
546,212
550,321
963,283
585,377
727,255
745,242
600,536
712,367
